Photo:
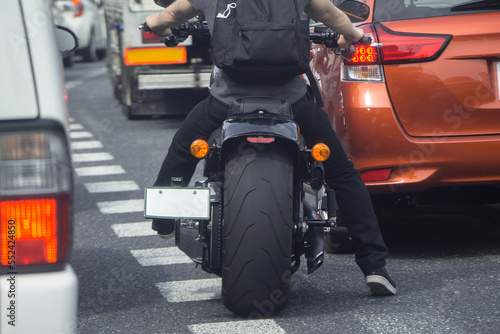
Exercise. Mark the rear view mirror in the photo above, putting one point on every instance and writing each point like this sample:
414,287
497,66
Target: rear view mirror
164,3
356,11
66,40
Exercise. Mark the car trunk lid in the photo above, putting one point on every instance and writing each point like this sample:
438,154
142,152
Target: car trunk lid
457,94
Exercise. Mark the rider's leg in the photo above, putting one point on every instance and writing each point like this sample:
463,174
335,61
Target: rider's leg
205,118
352,196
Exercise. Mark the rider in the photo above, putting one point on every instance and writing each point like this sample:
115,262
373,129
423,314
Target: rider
352,196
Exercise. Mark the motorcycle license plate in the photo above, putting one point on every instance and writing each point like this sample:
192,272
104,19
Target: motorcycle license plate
177,203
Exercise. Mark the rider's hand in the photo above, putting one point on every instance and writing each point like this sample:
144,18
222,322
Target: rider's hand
152,21
344,43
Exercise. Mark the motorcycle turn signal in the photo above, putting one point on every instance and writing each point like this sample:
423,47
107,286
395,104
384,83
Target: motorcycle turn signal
320,152
199,148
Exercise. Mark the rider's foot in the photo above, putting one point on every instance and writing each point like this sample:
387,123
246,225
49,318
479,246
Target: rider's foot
380,283
164,227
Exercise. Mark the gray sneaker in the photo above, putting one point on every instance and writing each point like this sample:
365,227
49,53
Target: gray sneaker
380,283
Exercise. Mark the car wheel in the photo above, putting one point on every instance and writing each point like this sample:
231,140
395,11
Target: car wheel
69,60
90,52
101,54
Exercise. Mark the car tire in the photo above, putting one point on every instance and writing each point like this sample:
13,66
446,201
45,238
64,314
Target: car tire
69,60
90,52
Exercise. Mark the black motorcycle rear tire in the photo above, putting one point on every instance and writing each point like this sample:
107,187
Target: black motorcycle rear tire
257,231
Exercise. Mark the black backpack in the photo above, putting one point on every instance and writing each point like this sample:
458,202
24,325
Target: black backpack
260,41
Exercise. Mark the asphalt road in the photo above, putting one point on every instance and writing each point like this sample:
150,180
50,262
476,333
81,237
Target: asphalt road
446,262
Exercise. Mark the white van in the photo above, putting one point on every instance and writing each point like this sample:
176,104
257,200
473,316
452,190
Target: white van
38,288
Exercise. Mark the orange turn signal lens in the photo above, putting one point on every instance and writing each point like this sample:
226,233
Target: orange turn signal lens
320,152
199,148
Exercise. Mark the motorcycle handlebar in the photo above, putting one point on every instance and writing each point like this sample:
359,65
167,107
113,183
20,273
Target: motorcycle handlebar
320,35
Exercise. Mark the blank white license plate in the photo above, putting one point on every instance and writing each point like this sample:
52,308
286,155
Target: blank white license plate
177,203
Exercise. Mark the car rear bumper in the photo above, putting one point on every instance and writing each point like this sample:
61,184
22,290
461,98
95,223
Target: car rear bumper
39,302
374,139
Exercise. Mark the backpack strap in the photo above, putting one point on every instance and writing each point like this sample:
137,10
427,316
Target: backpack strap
315,88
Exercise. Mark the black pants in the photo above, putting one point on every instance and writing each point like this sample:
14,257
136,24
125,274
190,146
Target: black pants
352,197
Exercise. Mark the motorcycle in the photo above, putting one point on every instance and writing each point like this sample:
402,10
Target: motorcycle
249,221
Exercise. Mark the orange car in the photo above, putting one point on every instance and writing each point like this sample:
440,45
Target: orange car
420,108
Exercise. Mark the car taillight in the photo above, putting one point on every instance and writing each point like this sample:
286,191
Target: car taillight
78,8
35,200
365,65
151,38
398,48
391,47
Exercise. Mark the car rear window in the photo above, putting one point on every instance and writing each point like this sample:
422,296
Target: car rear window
393,10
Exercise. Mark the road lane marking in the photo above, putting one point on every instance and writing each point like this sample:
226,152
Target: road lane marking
91,157
191,290
160,256
86,145
126,206
111,186
73,84
99,170
267,326
140,229
80,134
75,126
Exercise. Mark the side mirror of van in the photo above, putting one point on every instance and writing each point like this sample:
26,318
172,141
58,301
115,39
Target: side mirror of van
164,3
66,40
356,11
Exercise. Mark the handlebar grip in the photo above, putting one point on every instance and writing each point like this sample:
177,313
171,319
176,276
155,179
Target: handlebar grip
365,41
171,41
349,53
145,27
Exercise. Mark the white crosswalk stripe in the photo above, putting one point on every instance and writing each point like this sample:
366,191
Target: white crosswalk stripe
266,326
125,206
160,256
111,186
75,126
92,157
99,170
80,134
86,145
191,290
140,229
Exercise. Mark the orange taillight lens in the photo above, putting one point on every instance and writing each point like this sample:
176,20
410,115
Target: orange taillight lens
28,231
320,152
199,148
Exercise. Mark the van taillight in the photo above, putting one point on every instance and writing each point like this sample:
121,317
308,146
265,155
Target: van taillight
34,231
399,48
35,199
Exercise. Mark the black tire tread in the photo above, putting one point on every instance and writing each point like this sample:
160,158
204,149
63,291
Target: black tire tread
257,231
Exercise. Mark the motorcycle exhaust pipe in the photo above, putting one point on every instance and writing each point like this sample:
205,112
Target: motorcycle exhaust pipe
314,252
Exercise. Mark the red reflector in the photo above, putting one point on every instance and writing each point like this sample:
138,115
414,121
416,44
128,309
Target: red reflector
400,47
259,140
151,38
376,175
78,8
28,232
